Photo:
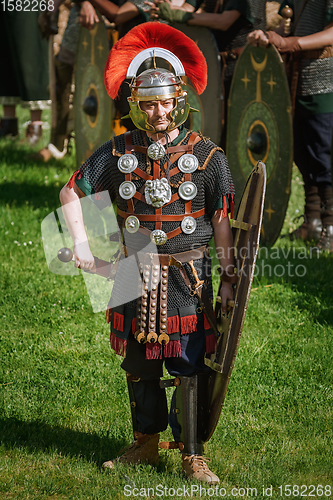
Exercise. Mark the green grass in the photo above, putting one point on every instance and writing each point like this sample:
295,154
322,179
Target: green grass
64,404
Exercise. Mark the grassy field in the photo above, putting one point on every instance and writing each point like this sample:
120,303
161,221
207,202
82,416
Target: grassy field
64,404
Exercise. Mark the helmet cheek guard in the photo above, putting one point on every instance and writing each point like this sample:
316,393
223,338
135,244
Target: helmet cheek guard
180,112
138,116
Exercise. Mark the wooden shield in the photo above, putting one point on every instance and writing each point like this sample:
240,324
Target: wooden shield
93,108
260,128
246,233
209,103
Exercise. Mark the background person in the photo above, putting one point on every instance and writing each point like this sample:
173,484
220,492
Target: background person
24,66
310,48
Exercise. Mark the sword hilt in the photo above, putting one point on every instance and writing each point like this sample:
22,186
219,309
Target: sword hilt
102,267
287,13
66,255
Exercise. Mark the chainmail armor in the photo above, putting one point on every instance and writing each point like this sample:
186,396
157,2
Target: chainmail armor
315,77
212,181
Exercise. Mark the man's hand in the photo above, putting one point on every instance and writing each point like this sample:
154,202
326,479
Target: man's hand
153,8
84,259
284,44
88,16
226,293
258,38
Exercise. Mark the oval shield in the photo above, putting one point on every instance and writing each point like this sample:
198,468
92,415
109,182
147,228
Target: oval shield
93,108
246,234
260,128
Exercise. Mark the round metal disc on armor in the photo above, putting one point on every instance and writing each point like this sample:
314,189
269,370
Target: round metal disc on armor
127,190
93,108
127,163
188,163
260,129
158,237
188,225
156,151
132,224
187,190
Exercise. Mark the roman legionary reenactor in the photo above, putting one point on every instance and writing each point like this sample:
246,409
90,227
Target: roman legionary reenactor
172,189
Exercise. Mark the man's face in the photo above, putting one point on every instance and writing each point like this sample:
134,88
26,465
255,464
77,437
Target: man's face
158,113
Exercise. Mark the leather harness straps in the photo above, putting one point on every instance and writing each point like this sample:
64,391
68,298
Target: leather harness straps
158,217
161,217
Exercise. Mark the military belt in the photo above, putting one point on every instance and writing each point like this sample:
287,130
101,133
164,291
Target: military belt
181,257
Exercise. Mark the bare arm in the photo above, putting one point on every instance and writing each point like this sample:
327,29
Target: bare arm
71,207
316,41
225,253
108,9
215,21
126,12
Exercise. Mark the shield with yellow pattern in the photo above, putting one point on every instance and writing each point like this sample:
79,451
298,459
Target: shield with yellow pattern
260,129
